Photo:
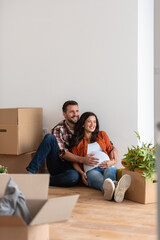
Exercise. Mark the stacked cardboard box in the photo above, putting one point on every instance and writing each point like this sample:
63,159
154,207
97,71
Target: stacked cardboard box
18,163
20,136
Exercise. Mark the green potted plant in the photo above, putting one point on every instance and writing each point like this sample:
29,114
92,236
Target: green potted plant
3,169
141,159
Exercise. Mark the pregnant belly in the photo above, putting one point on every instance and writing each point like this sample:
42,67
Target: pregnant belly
102,156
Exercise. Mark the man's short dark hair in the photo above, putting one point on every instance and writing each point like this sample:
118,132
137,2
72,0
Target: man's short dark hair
67,103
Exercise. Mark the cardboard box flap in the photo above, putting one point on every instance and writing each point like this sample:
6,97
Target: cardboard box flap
11,221
29,115
9,116
33,186
55,210
14,115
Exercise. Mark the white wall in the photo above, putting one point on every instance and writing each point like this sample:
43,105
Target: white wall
157,93
146,70
87,50
157,68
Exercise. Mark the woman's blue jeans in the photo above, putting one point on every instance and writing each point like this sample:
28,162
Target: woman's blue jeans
96,176
61,171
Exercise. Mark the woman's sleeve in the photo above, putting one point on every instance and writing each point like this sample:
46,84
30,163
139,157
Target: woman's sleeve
74,150
109,146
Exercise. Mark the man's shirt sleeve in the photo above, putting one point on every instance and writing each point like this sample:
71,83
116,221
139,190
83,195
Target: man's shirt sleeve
57,131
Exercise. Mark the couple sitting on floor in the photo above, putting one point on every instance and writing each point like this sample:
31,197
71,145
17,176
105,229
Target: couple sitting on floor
77,147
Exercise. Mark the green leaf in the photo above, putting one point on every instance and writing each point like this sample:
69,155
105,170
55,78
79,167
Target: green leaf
138,136
141,157
3,169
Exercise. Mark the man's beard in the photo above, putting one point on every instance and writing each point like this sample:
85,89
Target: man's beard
71,121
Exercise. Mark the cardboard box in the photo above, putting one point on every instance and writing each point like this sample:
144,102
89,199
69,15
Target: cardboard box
20,130
18,163
141,191
44,210
119,173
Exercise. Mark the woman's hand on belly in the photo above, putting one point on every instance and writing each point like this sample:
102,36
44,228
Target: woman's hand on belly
108,163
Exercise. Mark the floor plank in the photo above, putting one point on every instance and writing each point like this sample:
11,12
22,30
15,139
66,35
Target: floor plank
95,218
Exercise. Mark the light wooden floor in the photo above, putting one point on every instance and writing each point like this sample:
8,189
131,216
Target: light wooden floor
93,218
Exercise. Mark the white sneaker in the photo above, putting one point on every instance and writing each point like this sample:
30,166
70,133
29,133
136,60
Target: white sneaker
122,186
28,172
108,187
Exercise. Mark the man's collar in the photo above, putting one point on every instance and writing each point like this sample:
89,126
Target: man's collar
68,127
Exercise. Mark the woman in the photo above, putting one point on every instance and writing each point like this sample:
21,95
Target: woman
87,139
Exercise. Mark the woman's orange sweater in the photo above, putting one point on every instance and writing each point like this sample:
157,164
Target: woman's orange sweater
102,139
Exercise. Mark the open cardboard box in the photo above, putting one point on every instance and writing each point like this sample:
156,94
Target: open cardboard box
43,210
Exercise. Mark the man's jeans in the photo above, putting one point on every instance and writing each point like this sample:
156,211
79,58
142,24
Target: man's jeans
96,176
62,172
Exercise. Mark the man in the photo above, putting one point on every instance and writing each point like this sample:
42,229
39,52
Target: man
55,149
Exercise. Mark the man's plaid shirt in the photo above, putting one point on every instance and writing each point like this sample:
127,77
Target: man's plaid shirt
62,133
